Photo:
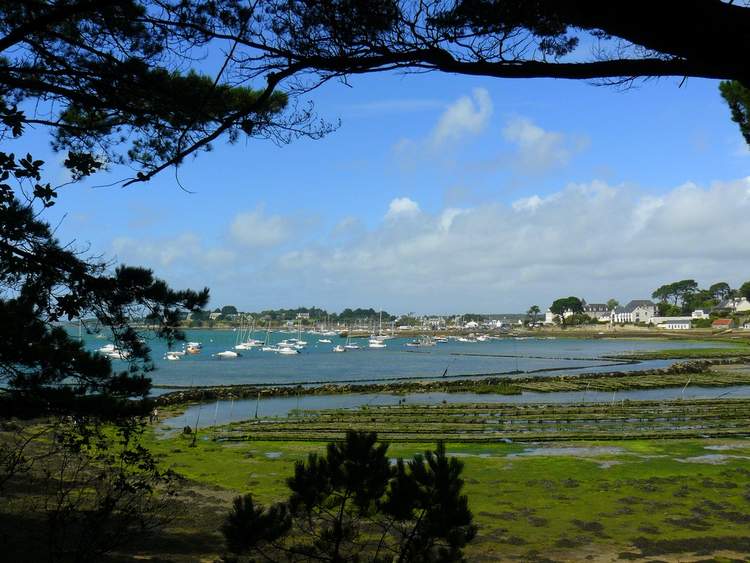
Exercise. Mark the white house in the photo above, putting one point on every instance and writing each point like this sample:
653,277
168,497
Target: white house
735,304
549,316
598,311
679,324
637,311
699,314
662,320
471,324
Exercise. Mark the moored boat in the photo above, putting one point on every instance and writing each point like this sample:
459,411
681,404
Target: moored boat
226,355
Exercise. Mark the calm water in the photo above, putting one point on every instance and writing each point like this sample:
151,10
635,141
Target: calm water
317,363
222,412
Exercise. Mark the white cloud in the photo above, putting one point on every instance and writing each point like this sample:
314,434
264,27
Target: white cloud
448,217
594,240
527,203
255,229
538,150
163,252
465,116
402,207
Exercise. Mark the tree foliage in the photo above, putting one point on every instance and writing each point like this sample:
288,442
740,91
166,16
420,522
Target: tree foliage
117,81
613,43
533,312
745,290
352,505
43,284
684,297
737,96
676,292
566,305
75,491
720,291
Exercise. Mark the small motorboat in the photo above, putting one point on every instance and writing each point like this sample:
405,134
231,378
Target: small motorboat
339,348
227,355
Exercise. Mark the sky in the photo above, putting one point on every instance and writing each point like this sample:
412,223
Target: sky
442,194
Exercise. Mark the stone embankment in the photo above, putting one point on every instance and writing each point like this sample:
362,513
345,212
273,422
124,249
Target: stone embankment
480,384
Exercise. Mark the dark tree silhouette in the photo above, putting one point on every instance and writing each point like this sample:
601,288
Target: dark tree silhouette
112,82
612,43
352,505
116,70
42,369
737,96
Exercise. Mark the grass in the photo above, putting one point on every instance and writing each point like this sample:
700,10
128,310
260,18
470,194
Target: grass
736,351
639,497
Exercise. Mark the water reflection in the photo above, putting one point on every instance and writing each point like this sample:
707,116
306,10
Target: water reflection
222,412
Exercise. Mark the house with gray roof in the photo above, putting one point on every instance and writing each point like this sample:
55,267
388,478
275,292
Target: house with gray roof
598,311
637,311
733,305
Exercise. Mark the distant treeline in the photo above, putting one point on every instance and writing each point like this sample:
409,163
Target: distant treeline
313,314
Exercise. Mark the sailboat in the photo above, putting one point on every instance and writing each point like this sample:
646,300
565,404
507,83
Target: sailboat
244,342
377,341
349,345
267,346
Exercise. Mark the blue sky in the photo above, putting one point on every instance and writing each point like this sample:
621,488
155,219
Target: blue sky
441,194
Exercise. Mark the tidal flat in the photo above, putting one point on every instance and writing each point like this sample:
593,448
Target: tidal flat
619,499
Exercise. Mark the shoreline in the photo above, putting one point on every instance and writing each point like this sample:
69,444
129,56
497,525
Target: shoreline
699,372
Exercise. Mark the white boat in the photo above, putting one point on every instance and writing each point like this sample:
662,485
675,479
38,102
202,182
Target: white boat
286,351
171,356
377,341
339,348
249,344
118,354
421,342
269,349
226,355
349,345
324,340
107,349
